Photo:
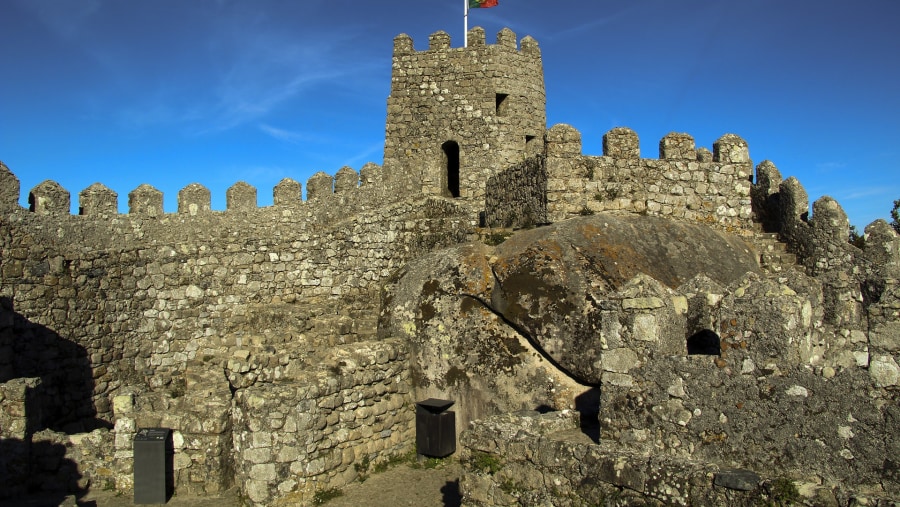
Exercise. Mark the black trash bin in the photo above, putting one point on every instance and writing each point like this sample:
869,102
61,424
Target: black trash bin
154,476
435,428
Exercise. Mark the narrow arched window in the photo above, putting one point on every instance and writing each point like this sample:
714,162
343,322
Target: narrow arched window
451,162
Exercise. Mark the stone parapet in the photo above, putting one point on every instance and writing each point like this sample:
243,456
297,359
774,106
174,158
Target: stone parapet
678,184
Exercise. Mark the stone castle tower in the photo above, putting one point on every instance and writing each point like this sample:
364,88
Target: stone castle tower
457,116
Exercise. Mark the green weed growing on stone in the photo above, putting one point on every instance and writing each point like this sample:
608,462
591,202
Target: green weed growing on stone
782,493
486,462
392,461
362,469
428,463
510,487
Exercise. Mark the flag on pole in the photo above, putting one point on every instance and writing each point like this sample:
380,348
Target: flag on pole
474,4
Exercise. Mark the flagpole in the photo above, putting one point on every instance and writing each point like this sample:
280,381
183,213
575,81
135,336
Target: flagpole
466,24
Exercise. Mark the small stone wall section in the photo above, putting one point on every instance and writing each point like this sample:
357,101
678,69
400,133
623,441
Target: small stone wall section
517,197
292,439
820,239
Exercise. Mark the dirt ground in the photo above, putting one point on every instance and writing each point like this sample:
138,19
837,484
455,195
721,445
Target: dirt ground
401,485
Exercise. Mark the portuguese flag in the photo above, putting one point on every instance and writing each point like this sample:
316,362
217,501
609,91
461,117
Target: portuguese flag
482,4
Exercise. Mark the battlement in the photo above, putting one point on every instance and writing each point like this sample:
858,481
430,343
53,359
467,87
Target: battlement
623,143
475,38
696,184
97,200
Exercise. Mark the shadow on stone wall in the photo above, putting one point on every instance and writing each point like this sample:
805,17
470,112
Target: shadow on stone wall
45,383
37,473
63,399
588,406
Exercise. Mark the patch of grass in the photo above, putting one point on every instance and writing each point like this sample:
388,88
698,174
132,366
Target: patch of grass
362,469
510,487
486,462
408,458
326,495
784,492
432,463
781,493
428,463
585,211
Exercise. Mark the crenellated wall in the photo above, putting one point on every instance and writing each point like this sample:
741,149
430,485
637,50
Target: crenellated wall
861,285
685,182
146,292
354,191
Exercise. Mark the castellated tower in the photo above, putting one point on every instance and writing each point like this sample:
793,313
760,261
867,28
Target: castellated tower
457,116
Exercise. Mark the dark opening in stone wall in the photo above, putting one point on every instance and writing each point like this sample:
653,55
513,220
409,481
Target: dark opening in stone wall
502,104
704,343
451,158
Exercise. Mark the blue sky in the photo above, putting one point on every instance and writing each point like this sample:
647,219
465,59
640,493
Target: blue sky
171,92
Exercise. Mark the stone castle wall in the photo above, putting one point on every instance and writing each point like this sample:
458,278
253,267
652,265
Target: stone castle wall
312,428
137,296
685,182
322,429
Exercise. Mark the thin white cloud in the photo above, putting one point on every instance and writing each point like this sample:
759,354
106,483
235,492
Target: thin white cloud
867,192
248,64
365,155
293,136
283,135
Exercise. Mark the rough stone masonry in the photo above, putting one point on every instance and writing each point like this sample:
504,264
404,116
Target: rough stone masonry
614,329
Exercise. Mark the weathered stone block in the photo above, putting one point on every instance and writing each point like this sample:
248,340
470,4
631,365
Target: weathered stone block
620,360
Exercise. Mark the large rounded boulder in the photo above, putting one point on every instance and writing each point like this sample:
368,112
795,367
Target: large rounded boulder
527,324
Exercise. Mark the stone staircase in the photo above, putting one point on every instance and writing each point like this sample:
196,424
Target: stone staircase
773,254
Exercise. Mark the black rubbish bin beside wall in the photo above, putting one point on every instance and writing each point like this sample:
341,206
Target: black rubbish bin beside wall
435,428
154,477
